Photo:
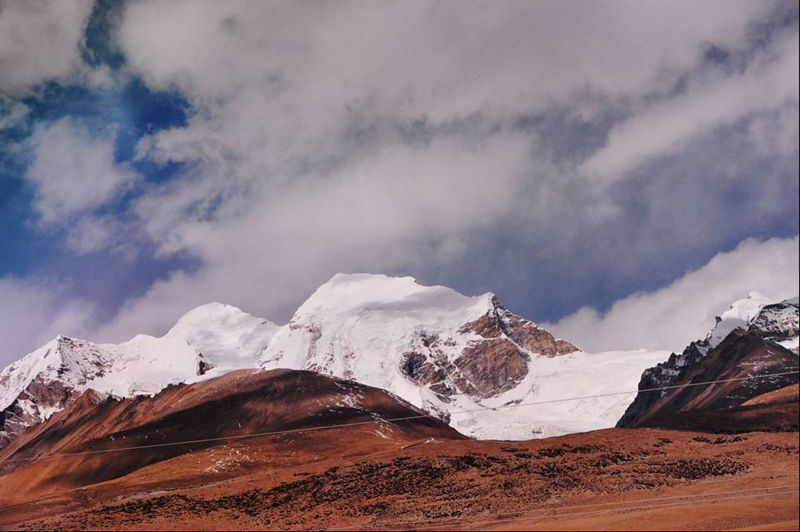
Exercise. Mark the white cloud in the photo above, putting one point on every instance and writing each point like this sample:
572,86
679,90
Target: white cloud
371,215
304,155
684,311
776,133
39,41
90,233
279,87
32,314
73,170
771,82
411,55
11,112
390,136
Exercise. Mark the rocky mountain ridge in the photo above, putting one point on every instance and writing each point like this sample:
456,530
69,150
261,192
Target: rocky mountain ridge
754,337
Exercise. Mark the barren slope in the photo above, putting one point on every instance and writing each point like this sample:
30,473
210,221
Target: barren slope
70,449
619,479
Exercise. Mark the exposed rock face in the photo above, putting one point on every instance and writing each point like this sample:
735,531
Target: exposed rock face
486,366
484,369
203,364
564,347
777,322
745,352
492,367
34,404
500,321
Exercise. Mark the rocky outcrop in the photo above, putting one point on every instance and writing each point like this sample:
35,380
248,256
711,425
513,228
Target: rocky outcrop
34,404
524,333
492,367
486,366
745,354
667,373
777,322
483,369
203,365
564,347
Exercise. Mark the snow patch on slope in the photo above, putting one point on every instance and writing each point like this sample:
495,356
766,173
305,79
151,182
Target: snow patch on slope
552,379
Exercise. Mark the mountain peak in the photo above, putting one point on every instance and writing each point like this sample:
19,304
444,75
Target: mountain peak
210,337
225,335
432,346
366,292
211,315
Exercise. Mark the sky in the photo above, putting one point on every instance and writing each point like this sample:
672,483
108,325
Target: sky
620,171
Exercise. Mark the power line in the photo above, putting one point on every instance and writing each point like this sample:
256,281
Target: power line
392,420
631,391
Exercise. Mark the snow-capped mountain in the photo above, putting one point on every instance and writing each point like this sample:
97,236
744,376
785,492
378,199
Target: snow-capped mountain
755,336
207,341
394,331
442,351
451,354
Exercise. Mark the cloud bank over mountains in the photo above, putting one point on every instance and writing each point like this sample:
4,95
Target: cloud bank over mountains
563,155
684,311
